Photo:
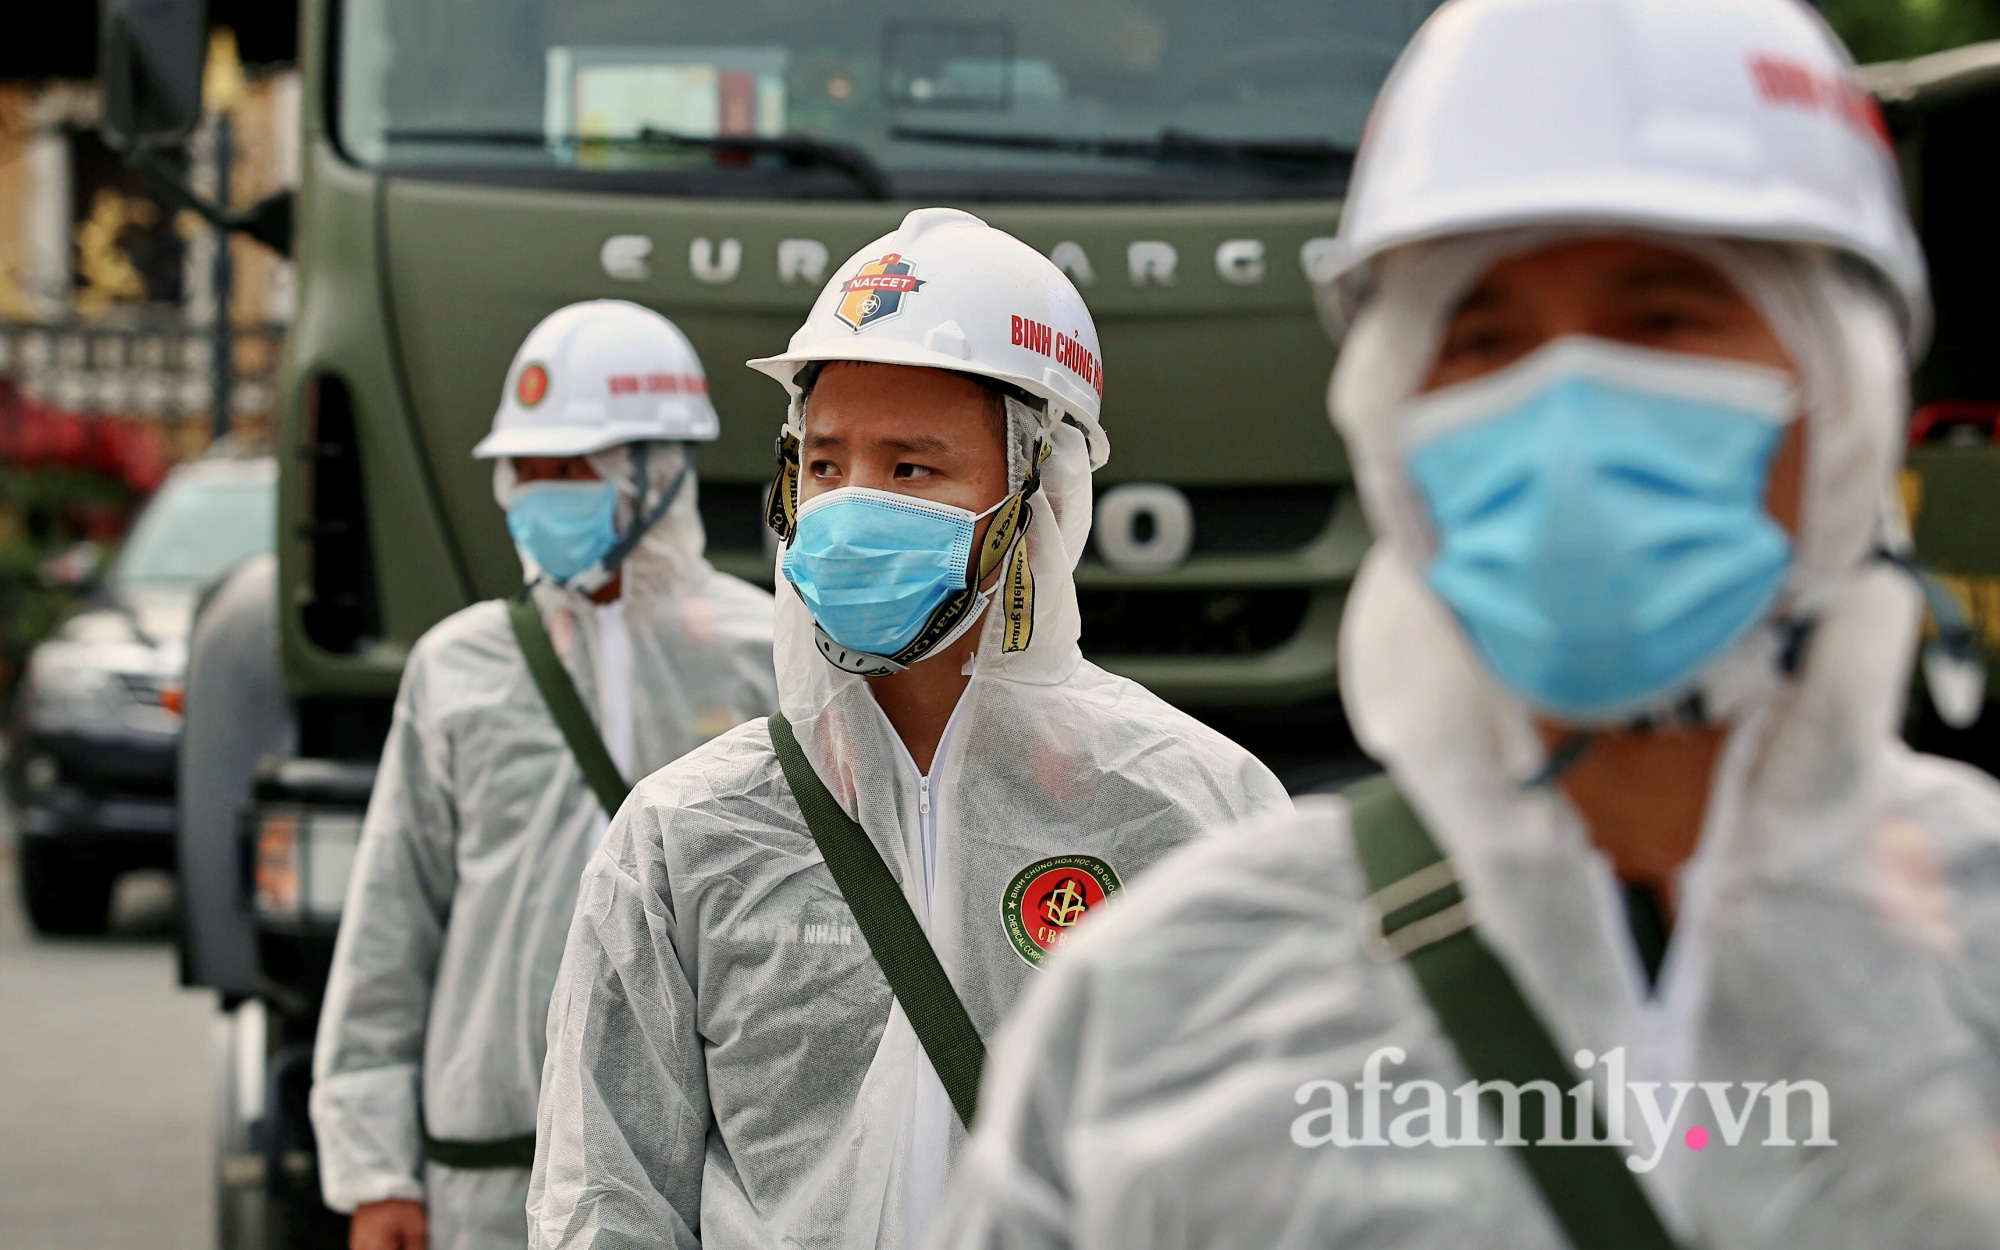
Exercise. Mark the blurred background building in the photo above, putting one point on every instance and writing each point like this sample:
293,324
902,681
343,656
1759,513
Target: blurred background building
109,297
124,346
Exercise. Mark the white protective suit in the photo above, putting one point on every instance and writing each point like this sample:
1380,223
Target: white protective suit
1840,921
727,1066
478,829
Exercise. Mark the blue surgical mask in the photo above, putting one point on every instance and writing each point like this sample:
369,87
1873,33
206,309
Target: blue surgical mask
566,527
1600,521
874,567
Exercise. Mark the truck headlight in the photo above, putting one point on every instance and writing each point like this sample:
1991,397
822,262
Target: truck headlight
302,858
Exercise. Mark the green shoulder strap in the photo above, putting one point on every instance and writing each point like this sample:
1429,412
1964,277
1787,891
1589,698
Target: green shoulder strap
894,937
501,1152
566,706
1419,913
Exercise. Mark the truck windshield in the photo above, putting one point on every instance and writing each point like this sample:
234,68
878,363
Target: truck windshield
1032,99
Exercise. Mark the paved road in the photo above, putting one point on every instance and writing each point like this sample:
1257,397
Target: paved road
104,1083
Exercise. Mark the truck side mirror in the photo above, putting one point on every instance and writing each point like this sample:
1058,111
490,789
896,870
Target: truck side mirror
150,60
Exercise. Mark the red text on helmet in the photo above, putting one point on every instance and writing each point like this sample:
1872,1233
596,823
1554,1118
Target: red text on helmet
1061,348
657,384
1785,83
1033,335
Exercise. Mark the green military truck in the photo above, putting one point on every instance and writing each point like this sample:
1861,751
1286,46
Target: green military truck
469,168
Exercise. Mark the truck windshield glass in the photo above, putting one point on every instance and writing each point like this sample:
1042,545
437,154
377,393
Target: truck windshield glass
1035,99
196,529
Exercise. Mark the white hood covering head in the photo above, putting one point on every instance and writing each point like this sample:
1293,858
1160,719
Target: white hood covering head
1834,322
1812,759
1056,539
672,551
1804,773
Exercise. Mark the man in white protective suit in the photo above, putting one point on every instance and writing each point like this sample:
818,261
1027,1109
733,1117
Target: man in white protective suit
1630,299
430,1042
728,1063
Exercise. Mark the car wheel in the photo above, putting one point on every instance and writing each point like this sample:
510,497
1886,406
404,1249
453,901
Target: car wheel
66,895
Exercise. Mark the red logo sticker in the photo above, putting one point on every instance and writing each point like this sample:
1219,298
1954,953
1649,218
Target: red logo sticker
531,386
1046,899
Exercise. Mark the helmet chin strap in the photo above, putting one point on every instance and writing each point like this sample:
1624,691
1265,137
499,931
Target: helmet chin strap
1566,755
1003,552
1727,686
599,575
848,660
1953,664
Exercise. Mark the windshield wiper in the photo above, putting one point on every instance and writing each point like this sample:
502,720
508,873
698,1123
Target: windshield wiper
1170,146
798,151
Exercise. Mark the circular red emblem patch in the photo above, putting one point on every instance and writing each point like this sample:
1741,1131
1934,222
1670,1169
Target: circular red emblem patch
1046,899
533,384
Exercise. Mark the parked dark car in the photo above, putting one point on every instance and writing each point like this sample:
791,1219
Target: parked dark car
96,725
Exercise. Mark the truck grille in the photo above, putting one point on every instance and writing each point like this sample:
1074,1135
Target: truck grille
1247,520
1228,520
1189,622
733,515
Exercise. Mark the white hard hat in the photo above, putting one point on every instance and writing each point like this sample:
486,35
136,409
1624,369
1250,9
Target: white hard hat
948,291
597,374
1733,118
